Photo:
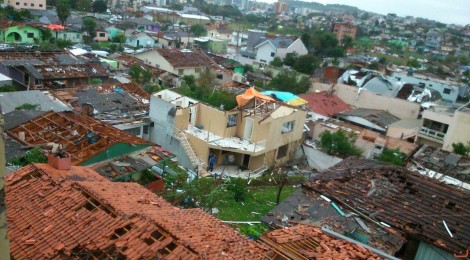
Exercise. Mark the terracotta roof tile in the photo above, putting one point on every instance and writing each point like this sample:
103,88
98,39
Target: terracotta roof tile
181,59
326,105
307,242
83,215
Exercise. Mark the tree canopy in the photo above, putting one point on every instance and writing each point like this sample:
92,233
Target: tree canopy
338,143
306,64
89,25
198,30
393,156
63,10
100,6
290,81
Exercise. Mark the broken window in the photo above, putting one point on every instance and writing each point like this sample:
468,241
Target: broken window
232,120
282,151
447,91
287,127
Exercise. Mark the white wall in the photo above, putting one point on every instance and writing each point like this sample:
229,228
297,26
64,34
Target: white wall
263,53
297,46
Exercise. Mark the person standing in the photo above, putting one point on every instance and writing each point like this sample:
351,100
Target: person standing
211,162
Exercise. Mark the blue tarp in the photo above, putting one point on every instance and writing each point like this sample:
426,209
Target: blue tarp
281,95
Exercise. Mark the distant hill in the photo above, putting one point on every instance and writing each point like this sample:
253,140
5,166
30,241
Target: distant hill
322,7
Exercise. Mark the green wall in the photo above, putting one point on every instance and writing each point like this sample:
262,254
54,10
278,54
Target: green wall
116,150
25,34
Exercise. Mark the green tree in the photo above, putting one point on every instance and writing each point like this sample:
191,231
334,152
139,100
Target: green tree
238,188
290,81
46,34
63,43
89,26
198,30
460,148
289,60
32,156
393,156
8,88
338,144
151,88
206,78
277,62
189,80
306,64
413,63
247,68
383,60
83,5
119,38
135,72
100,6
63,10
347,42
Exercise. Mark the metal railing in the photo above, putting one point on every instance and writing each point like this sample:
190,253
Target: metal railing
432,133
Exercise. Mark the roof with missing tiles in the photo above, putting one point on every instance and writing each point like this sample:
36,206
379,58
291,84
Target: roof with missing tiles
309,242
81,137
417,205
77,213
184,59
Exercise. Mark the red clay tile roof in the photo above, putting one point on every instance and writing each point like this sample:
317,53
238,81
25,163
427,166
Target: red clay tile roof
408,201
326,105
70,130
180,59
79,214
309,242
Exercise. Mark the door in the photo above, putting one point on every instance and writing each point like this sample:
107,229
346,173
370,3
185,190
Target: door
248,129
192,115
246,160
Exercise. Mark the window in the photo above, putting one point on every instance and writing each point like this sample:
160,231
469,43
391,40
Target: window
220,76
25,4
32,4
272,54
198,70
133,131
287,127
30,35
146,129
282,151
180,71
263,61
447,91
17,3
232,120
102,34
40,5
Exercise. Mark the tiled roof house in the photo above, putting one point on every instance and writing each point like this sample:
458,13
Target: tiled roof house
77,213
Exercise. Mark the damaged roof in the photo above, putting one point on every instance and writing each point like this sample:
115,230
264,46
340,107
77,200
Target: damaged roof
309,242
185,59
325,104
420,206
82,137
77,213
46,102
380,118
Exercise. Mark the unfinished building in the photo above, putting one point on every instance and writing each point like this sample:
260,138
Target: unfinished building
85,139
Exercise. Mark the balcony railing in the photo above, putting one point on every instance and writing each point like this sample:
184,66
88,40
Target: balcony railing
432,133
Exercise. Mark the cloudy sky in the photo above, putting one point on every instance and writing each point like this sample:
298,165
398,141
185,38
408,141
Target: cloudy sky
451,11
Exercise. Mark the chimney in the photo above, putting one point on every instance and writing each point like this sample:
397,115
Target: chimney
59,160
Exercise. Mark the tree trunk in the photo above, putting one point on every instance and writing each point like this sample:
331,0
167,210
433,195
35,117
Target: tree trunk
279,191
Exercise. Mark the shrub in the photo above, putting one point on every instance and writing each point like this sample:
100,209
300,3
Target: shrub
238,188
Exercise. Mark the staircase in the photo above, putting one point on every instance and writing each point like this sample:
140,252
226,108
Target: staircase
195,161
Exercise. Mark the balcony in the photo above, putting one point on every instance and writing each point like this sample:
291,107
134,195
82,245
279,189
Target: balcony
427,132
227,143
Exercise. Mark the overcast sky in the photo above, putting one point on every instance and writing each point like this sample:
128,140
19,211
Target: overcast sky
451,11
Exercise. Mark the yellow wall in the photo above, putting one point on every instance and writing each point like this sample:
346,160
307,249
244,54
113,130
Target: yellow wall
215,120
182,118
459,130
200,147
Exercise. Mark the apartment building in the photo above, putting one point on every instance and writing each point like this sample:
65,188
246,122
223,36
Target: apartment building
27,4
443,126
342,29
280,7
259,133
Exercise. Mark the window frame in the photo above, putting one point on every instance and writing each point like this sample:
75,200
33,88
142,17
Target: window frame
232,120
288,127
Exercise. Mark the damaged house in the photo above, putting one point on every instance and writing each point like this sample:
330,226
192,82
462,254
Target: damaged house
75,213
259,133
86,140
49,69
124,106
432,215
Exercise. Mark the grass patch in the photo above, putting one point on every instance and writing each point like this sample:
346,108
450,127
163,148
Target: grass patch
242,27
259,199
175,167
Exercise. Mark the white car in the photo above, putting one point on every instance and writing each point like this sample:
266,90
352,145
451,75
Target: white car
128,50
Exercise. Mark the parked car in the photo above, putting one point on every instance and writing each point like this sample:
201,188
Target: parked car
128,50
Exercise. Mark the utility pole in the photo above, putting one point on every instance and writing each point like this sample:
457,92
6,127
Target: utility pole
4,242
